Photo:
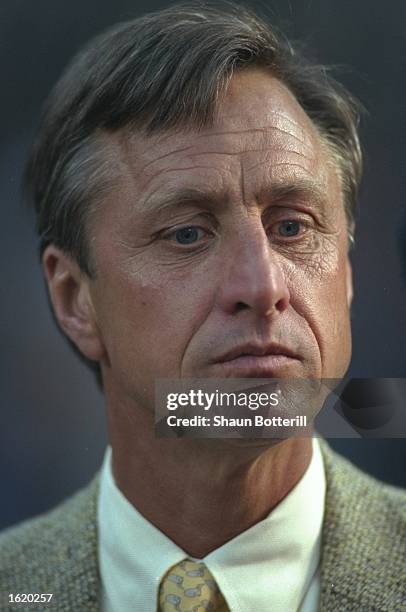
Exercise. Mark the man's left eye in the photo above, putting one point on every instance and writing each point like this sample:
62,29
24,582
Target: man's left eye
188,235
289,228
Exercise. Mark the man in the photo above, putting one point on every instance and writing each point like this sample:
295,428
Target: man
194,182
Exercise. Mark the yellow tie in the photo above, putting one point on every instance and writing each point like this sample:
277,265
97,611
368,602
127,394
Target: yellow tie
190,587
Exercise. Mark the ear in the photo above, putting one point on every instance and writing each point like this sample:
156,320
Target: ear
348,280
69,293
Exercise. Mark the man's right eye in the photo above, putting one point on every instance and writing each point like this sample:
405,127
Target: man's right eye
187,235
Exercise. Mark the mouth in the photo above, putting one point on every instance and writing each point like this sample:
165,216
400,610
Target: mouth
255,361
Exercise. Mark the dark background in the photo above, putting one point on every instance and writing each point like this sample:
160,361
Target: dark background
52,428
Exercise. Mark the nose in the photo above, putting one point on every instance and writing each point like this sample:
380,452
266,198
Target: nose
253,279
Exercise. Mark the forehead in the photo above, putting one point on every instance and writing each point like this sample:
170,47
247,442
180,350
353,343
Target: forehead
260,136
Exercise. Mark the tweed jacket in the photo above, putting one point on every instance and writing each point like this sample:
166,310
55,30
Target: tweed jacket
363,565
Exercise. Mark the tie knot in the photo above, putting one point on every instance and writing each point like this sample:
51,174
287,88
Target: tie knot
190,587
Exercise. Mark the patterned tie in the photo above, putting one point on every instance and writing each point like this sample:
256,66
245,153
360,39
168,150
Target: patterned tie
190,587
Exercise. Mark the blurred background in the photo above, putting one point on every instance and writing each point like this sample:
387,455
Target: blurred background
52,425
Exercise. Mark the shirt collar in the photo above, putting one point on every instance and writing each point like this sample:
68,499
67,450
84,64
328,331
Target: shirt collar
269,566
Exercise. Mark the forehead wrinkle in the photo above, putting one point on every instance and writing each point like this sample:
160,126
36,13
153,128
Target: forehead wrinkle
277,113
261,130
164,156
243,152
126,142
130,142
267,161
291,164
160,173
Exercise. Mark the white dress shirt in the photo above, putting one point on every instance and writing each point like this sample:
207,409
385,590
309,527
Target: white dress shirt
272,566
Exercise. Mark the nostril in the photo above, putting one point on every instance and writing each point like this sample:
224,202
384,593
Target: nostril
282,304
241,306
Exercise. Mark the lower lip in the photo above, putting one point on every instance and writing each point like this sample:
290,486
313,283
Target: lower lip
254,366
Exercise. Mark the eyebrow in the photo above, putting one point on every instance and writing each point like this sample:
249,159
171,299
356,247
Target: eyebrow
300,189
191,196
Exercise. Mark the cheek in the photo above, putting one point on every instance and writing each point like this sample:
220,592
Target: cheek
332,329
147,325
319,296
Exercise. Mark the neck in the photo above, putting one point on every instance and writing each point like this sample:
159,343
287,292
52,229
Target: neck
215,489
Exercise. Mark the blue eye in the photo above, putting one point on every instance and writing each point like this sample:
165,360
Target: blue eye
187,235
289,228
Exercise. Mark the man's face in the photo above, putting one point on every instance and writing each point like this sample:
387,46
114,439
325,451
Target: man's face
223,252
